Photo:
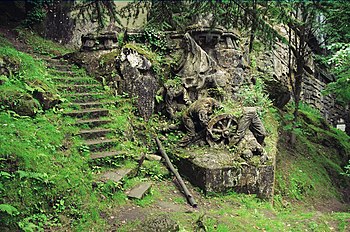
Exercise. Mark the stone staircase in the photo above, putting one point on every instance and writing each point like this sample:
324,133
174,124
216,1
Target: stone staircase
90,104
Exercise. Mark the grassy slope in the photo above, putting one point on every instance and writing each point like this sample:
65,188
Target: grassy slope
44,179
49,182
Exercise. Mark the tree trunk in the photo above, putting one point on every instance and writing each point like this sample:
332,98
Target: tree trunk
253,27
347,122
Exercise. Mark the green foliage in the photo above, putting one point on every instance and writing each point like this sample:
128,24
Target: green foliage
24,78
36,13
102,12
41,45
9,209
347,170
255,96
310,170
154,170
335,27
340,61
4,42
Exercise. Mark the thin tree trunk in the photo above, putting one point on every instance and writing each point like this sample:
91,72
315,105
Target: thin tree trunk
253,27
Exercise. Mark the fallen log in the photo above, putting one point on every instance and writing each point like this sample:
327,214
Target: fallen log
177,175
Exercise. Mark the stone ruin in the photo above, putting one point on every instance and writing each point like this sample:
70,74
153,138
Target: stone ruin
213,67
212,64
103,41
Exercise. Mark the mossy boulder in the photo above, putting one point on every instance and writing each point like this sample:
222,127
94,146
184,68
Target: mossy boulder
20,102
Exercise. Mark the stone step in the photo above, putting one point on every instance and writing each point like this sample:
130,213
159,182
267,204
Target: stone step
84,97
61,72
74,80
100,144
52,61
94,133
98,155
86,105
60,66
89,113
116,175
79,88
140,190
93,122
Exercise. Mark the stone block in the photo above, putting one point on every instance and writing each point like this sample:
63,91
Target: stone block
139,191
217,171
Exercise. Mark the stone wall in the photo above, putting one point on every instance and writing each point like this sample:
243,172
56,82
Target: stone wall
312,94
274,64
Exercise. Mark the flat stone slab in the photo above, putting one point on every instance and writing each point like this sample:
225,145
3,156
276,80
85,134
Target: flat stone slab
85,105
116,175
94,133
152,157
79,88
139,191
93,121
98,155
216,170
88,112
99,141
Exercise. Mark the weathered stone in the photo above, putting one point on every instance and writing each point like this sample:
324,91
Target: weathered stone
138,80
153,157
116,175
22,103
219,171
103,41
160,223
104,154
139,191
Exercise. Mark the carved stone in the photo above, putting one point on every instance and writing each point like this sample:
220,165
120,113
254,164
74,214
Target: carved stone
217,170
138,80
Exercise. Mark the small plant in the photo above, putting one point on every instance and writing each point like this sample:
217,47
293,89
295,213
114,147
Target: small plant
347,170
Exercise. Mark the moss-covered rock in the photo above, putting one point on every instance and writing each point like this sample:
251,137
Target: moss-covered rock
20,102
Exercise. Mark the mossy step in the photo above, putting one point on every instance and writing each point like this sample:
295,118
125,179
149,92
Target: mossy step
98,155
85,97
94,122
140,190
55,62
62,72
86,105
60,66
52,60
100,144
94,133
116,175
74,80
91,113
79,88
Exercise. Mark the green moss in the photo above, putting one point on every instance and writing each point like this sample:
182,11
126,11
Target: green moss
4,42
108,58
41,45
26,79
312,170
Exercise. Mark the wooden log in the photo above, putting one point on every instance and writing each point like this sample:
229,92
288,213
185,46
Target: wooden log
140,162
177,175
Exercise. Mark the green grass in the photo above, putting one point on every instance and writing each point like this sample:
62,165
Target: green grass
39,173
24,79
40,45
311,171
